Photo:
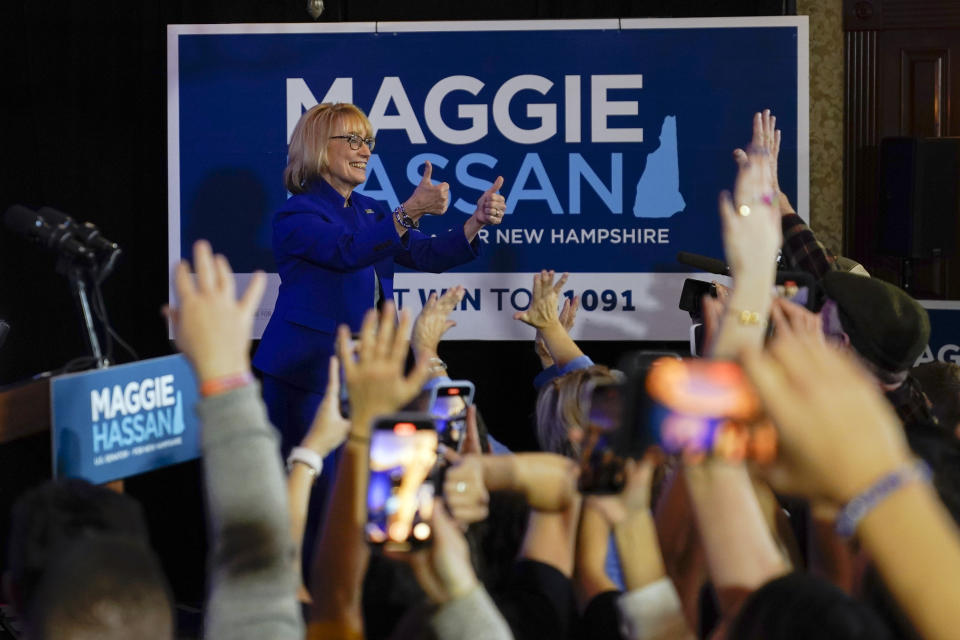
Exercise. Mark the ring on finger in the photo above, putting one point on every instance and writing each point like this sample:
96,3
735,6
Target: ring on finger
461,487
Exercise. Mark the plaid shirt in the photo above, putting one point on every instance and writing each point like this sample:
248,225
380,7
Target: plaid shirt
802,250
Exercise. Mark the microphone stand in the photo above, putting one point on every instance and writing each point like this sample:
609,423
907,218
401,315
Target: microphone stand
76,272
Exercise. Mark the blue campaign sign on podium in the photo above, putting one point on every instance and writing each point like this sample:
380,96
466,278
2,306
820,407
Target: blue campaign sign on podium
614,138
129,419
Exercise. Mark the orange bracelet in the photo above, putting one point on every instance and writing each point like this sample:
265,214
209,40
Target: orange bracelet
216,386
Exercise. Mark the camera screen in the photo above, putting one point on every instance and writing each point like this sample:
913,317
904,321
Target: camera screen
601,458
401,489
450,411
707,407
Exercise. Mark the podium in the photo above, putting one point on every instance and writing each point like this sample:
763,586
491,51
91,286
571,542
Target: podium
24,410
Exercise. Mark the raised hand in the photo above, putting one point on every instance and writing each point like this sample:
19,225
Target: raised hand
465,490
568,317
635,496
212,327
491,206
837,434
374,377
428,198
751,218
794,318
433,322
542,312
444,570
329,427
766,136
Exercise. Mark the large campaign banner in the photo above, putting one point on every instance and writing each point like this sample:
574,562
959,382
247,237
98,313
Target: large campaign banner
614,138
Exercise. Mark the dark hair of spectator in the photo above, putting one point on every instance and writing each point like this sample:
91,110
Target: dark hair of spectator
47,517
799,606
105,586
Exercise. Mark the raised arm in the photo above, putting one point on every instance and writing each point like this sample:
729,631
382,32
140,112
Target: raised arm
542,315
840,441
456,246
800,246
252,587
651,608
429,327
327,432
377,386
547,481
464,609
751,239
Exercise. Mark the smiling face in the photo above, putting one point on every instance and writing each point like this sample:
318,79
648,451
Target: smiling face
346,168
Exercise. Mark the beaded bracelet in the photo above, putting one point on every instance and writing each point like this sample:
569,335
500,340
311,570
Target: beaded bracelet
860,505
405,221
216,386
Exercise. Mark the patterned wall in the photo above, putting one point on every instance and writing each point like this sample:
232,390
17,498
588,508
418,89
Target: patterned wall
826,119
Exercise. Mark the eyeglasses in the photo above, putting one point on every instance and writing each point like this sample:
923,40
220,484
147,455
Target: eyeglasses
355,141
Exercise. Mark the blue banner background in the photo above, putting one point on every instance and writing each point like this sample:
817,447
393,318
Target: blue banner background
232,118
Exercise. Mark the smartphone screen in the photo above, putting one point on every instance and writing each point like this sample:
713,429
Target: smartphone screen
448,405
602,450
702,408
402,481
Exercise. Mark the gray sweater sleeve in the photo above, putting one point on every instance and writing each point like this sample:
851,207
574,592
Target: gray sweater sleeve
472,617
252,590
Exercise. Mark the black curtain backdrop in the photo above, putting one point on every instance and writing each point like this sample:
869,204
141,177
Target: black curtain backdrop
83,129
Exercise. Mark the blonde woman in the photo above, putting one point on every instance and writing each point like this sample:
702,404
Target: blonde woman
335,251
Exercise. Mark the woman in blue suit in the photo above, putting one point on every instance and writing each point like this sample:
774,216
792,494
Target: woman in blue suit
335,252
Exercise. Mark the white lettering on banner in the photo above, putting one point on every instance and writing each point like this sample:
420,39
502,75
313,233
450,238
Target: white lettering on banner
601,108
571,108
134,414
300,98
546,113
610,236
392,91
476,113
145,394
531,182
519,236
946,353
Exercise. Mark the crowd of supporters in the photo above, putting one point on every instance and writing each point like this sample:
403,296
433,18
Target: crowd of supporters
847,531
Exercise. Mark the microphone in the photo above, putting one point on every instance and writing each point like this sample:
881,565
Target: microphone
704,263
58,238
87,232
107,250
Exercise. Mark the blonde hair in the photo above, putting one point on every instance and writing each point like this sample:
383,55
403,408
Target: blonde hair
307,155
560,408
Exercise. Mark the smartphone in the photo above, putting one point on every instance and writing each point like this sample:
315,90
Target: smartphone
691,296
605,447
402,481
698,408
344,396
448,405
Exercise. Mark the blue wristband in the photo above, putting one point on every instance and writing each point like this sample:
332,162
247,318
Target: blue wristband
854,511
